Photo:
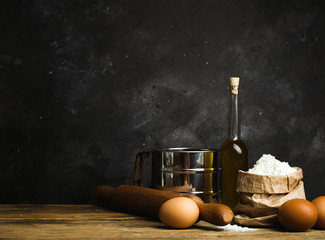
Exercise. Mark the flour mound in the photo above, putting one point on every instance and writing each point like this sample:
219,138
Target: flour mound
269,165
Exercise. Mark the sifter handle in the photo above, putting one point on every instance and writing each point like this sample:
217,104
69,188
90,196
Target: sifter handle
138,167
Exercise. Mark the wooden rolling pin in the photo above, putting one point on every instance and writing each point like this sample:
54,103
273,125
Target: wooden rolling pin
147,201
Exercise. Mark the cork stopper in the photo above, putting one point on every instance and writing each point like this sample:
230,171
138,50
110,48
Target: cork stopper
234,84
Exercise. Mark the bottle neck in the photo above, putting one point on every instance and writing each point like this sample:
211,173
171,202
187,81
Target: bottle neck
233,117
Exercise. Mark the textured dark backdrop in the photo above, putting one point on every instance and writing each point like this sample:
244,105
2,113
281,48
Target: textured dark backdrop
85,85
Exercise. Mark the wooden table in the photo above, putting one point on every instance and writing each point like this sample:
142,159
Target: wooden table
34,221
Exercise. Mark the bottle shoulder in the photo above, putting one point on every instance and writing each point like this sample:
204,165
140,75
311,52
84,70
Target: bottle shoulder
234,144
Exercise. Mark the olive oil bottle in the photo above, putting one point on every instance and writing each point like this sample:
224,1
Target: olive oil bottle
233,152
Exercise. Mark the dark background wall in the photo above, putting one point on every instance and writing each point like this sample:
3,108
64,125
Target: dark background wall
85,85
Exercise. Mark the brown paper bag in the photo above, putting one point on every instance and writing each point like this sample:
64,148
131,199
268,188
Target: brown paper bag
255,183
266,221
267,193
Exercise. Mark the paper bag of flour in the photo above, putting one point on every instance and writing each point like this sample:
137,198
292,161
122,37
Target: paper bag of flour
260,196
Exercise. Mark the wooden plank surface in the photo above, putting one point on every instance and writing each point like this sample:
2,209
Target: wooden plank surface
34,221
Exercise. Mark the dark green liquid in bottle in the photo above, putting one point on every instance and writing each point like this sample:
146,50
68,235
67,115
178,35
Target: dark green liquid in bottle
233,152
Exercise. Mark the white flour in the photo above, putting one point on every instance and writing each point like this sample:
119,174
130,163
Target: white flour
268,165
236,228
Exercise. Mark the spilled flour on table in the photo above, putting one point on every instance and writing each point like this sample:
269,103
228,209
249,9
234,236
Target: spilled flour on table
236,228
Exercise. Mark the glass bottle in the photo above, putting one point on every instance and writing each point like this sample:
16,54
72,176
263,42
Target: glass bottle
233,152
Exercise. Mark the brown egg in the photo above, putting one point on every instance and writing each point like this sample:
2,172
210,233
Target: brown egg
297,215
320,205
179,212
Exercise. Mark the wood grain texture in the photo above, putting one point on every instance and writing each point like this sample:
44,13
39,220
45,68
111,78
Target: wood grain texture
95,222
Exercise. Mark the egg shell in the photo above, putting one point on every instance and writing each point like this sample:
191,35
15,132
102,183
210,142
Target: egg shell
297,215
319,203
179,212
